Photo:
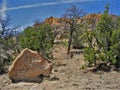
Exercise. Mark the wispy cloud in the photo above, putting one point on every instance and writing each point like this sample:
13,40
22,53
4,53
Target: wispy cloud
3,8
43,4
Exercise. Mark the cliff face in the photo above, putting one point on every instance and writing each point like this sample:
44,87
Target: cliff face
95,17
56,21
52,20
89,17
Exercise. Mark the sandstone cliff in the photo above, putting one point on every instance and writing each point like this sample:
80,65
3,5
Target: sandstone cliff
52,20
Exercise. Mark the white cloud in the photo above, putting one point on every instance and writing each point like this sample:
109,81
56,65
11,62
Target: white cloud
3,8
43,4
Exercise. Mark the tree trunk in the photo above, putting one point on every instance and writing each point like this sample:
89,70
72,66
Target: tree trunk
70,41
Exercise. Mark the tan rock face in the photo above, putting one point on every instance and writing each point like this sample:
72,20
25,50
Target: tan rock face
29,66
52,21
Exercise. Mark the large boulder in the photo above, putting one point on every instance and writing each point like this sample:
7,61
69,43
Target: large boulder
29,66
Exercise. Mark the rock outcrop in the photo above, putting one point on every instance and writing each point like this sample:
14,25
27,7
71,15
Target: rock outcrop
89,17
52,21
29,66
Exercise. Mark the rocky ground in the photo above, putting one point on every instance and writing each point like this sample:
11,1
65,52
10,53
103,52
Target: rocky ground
67,75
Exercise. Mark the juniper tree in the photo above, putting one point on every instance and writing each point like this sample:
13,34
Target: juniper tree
107,41
71,16
39,38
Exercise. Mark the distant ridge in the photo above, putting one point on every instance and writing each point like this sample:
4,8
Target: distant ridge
57,21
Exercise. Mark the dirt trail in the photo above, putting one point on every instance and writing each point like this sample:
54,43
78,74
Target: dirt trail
67,75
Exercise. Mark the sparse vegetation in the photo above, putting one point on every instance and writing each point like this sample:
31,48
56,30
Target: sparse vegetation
95,44
39,38
104,47
8,45
72,16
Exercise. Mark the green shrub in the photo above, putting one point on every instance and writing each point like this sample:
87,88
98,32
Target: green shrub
38,38
90,56
107,42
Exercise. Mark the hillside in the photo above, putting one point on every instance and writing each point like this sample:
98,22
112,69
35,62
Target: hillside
69,71
68,75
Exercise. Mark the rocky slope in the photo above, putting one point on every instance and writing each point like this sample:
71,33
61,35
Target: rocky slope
68,75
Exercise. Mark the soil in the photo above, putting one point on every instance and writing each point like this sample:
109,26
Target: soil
67,75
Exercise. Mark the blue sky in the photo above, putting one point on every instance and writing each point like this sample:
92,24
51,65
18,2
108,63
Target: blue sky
24,12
